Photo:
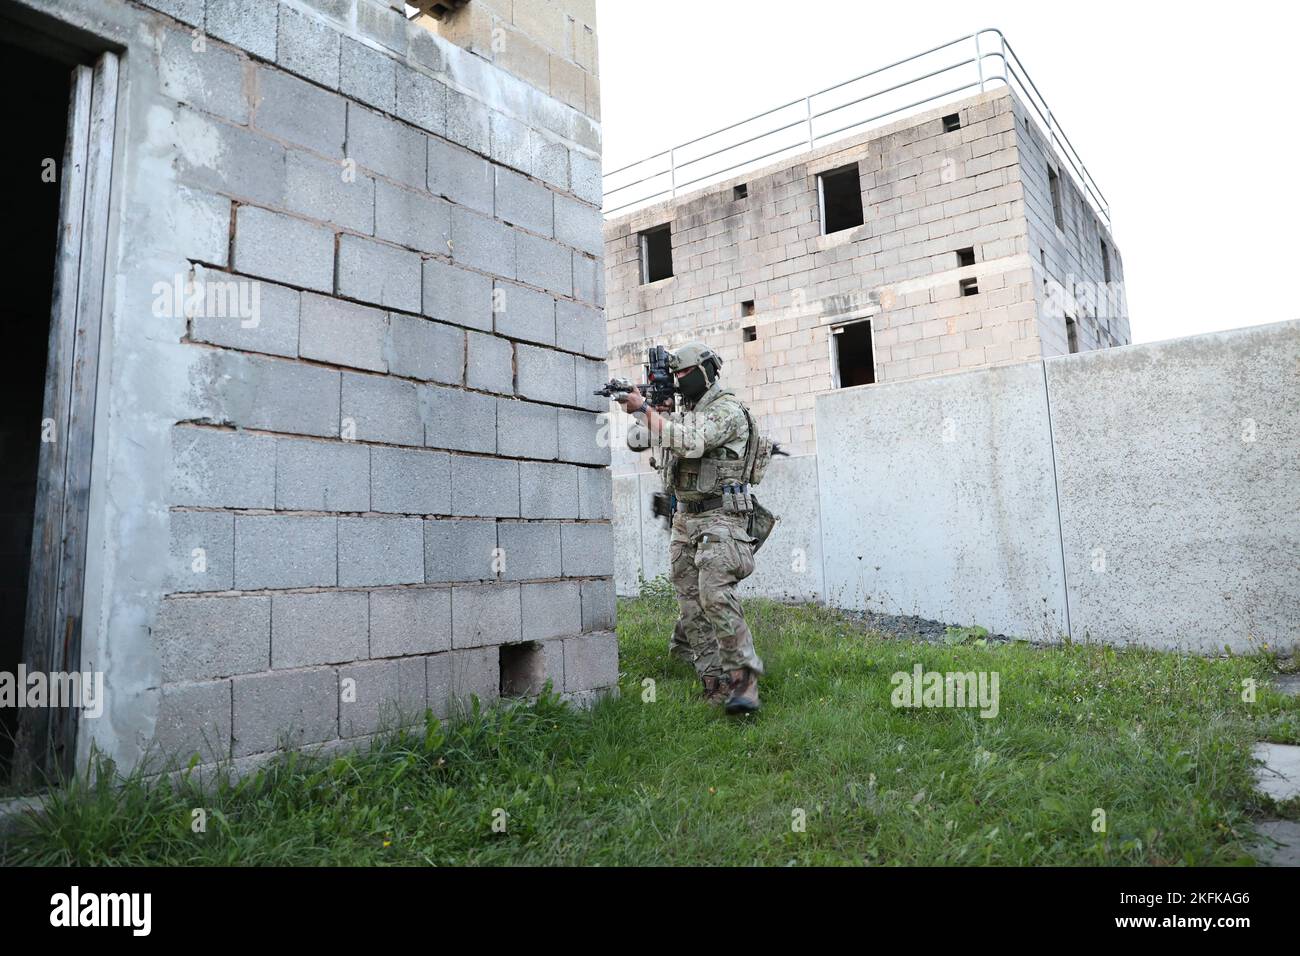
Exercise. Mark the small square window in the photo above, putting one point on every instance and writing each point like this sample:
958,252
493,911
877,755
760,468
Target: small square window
841,199
747,307
741,191
751,333
951,123
656,254
970,287
966,257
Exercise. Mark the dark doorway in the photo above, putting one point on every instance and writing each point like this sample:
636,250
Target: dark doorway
854,358
31,171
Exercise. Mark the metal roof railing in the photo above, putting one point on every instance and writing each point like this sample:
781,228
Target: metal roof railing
970,63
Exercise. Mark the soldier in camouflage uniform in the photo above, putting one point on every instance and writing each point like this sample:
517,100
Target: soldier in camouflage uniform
701,449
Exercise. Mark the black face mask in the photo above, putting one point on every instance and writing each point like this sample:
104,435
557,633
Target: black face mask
693,384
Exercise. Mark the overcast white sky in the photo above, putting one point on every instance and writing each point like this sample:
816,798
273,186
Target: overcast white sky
1186,115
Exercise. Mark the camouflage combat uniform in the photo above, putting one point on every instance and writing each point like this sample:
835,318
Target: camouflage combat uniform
711,551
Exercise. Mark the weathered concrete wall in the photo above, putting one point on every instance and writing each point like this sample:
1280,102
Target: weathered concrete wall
313,492
938,499
1179,473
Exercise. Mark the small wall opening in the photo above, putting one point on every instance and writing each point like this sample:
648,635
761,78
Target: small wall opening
523,669
969,286
656,254
1054,183
751,333
840,191
966,257
747,307
1105,261
741,191
1072,334
951,123
855,359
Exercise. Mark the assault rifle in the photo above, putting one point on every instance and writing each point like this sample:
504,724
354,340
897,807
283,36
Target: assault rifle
658,389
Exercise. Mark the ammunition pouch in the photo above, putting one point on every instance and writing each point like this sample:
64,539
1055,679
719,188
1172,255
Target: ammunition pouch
761,523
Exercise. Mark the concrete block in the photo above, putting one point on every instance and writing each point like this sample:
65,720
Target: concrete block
587,550
320,189
545,374
461,176
459,420
292,708
523,313
551,609
222,469
379,695
457,295
367,75
585,177
1278,775
412,219
202,553
489,365
596,493
382,409
530,550
468,122
589,280
212,81
584,437
328,627
485,614
548,490
544,263
247,24
231,160
284,551
939,527
206,638
269,324
421,100
470,673
550,161
527,430
272,395
187,11
1177,464
580,328
202,231
459,550
598,603
342,333
321,476
378,273
376,551
410,481
405,621
193,719
385,146
579,225
308,47
429,351
512,142
589,375
262,239
484,487
291,109
482,243
523,202
590,662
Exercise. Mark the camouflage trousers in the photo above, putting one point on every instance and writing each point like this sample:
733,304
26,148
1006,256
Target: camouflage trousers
710,554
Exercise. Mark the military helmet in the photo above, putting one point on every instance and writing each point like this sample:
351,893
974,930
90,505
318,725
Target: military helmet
694,353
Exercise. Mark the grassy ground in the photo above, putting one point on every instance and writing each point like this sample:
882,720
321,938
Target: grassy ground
1160,742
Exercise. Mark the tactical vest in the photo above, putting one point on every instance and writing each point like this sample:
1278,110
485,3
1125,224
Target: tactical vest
694,478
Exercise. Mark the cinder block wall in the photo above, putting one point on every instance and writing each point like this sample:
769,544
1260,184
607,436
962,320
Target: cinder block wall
354,501
1068,262
925,192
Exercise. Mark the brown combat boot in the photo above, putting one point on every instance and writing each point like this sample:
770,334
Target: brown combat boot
743,698
716,688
